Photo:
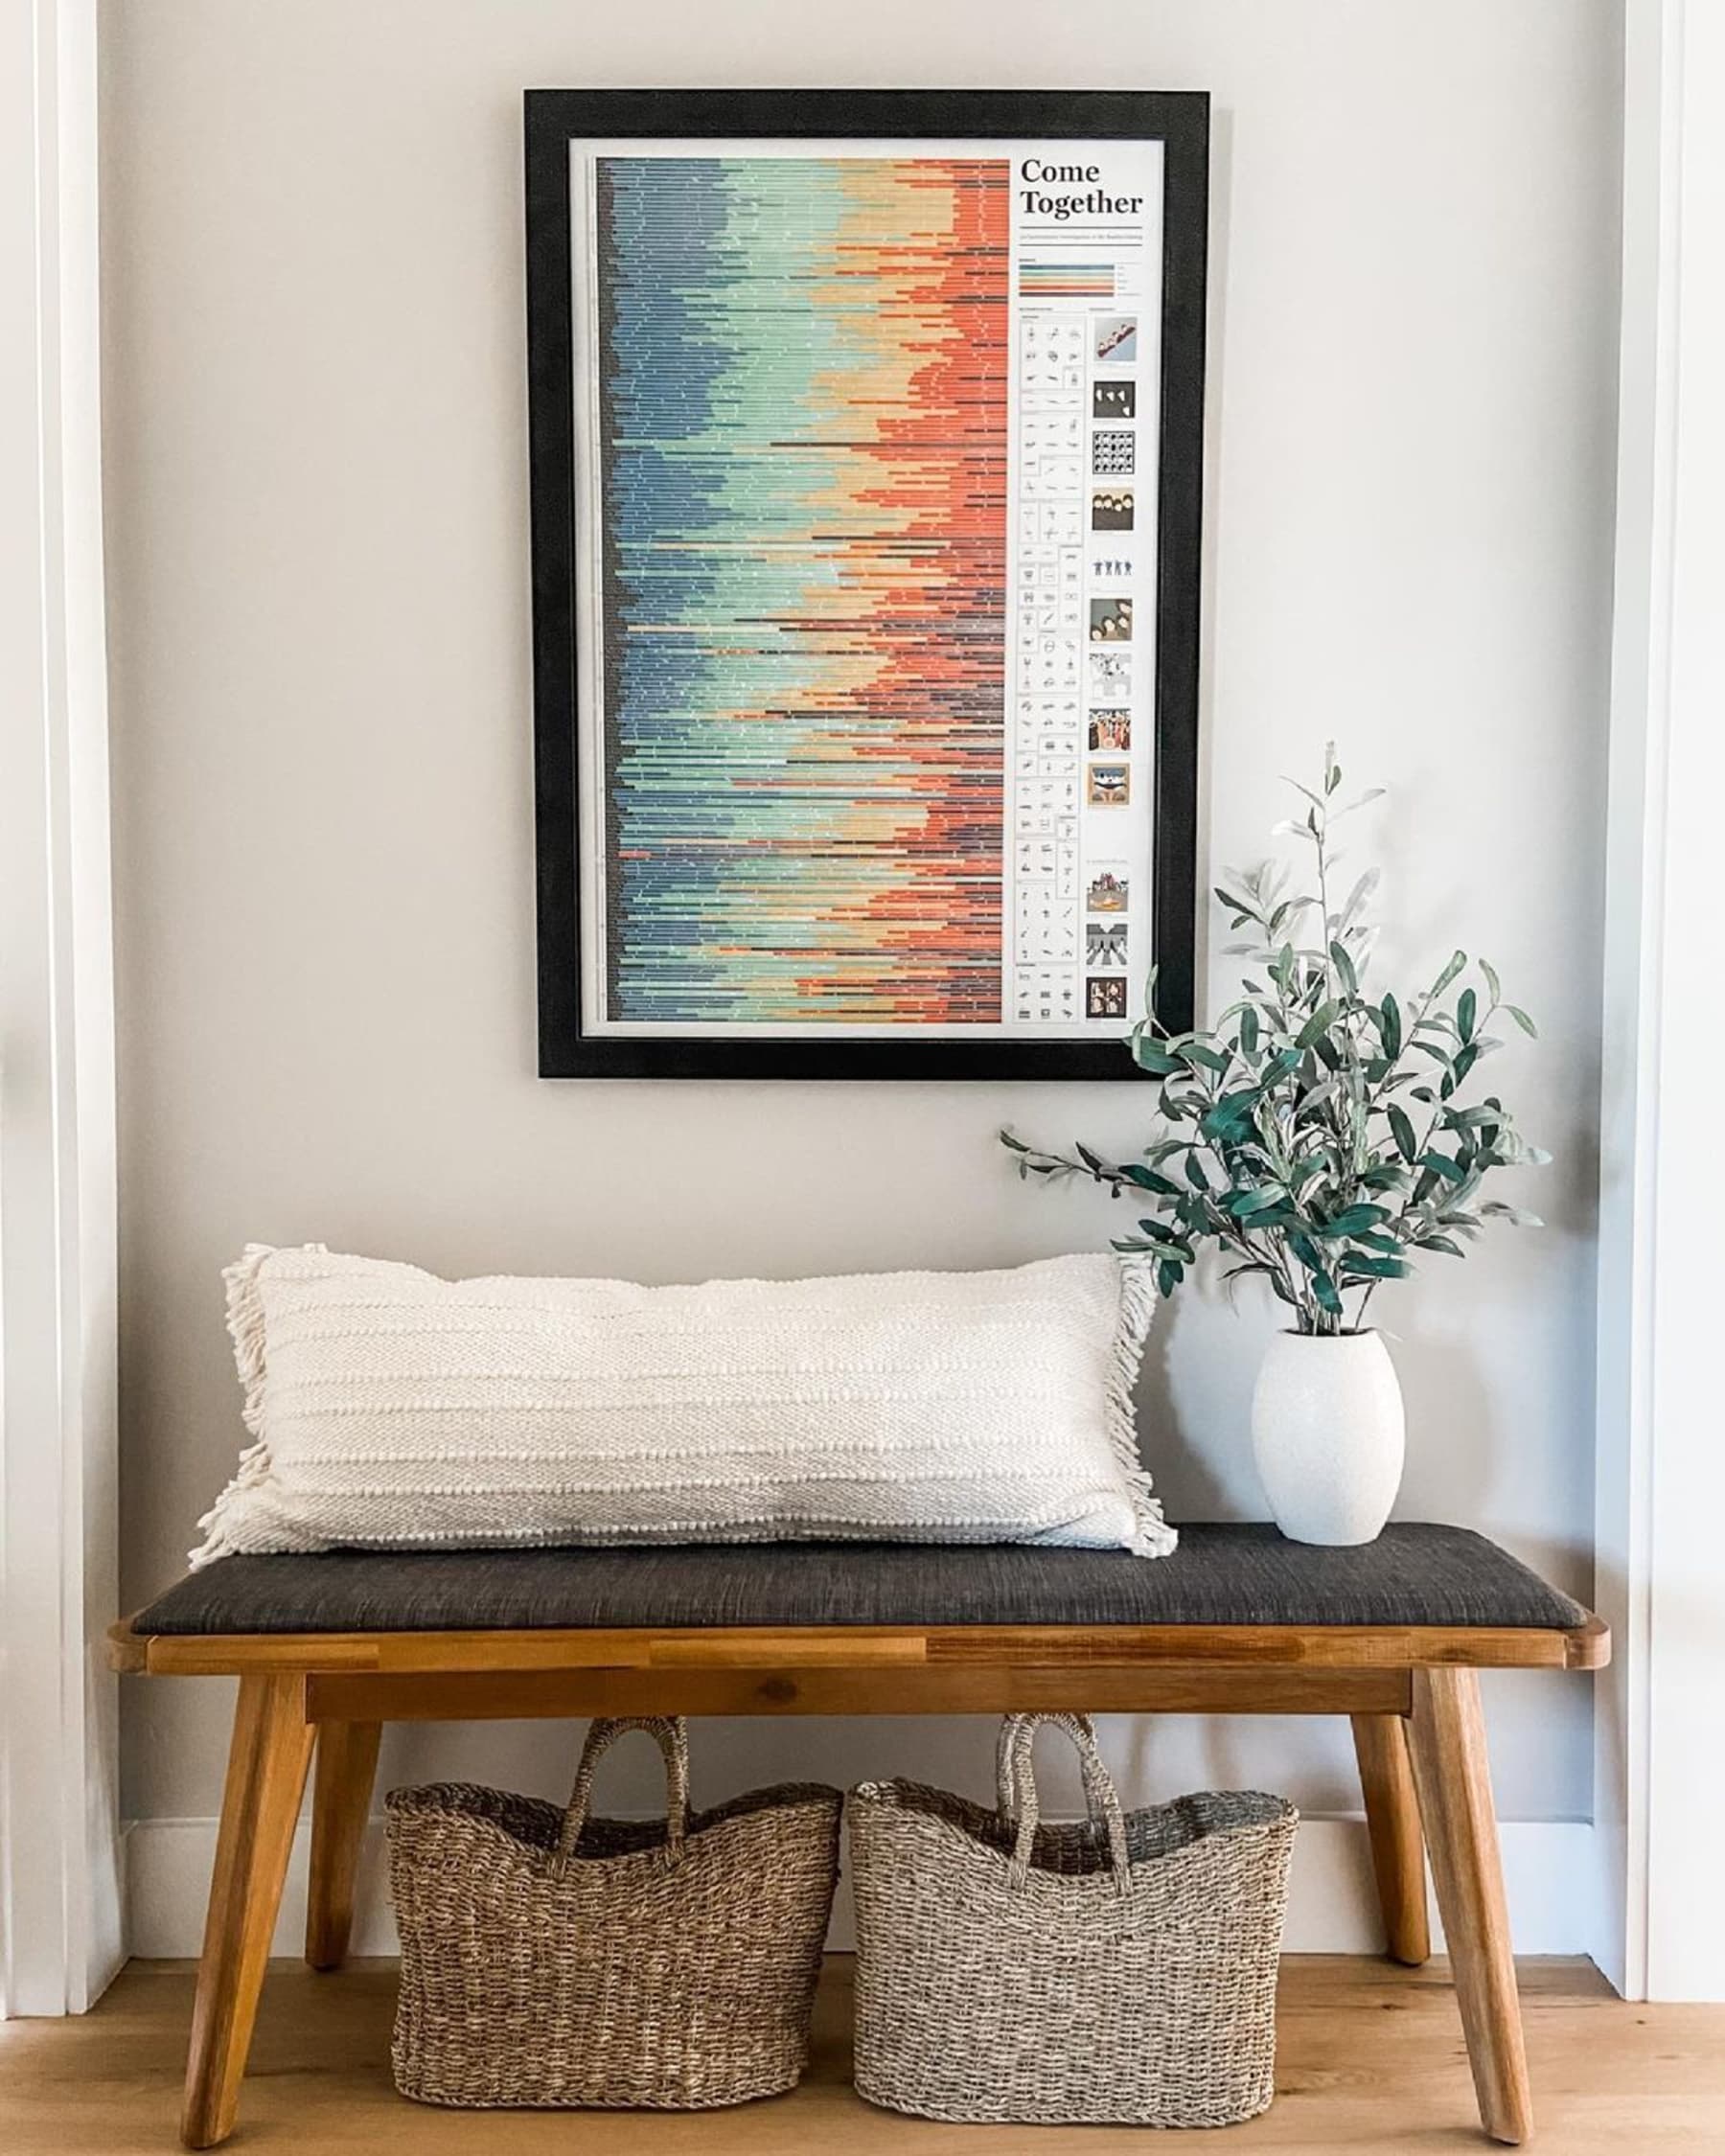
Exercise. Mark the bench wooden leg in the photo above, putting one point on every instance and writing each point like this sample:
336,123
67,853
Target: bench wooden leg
1450,1771
260,1807
1397,1846
347,1766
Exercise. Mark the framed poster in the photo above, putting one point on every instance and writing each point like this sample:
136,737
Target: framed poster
866,452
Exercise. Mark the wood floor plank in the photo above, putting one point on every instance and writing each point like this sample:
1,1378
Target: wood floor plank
1371,2064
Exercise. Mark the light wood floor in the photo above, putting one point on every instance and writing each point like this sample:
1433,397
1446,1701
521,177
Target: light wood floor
1370,2061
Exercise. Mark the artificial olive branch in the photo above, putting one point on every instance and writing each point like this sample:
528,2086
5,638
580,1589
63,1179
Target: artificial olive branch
1315,1134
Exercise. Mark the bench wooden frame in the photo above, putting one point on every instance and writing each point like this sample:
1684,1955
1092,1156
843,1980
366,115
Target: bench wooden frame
1411,1693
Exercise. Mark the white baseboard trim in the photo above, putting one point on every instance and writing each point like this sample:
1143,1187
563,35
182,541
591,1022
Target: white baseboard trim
1548,1870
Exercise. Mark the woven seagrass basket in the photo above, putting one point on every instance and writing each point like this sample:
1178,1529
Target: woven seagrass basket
1121,1970
552,1958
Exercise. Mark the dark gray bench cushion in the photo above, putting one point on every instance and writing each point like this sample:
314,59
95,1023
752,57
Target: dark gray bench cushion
1233,1574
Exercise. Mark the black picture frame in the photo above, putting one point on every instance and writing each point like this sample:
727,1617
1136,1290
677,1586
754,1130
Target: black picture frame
554,118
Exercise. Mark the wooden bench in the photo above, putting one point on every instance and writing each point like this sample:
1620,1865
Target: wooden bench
327,1649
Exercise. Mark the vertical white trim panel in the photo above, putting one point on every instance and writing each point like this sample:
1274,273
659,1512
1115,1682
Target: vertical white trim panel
59,1900
1685,1486
1661,1478
1646,416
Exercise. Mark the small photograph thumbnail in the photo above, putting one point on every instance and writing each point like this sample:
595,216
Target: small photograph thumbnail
1105,945
1111,621
1114,400
1111,510
1108,786
1111,732
1108,892
1116,340
1110,676
1105,997
1114,449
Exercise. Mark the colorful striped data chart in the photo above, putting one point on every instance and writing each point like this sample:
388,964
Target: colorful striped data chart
801,589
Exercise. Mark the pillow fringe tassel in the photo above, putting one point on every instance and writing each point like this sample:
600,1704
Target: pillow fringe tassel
1155,1538
246,1328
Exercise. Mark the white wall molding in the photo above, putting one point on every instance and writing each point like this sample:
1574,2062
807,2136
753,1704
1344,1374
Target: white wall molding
59,1899
1332,1904
1661,1468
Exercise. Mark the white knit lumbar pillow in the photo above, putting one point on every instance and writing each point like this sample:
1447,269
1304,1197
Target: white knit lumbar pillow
393,1410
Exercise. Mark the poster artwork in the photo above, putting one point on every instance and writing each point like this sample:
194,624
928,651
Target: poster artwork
866,452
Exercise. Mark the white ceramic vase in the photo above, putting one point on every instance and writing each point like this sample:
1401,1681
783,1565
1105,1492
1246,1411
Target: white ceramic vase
1328,1433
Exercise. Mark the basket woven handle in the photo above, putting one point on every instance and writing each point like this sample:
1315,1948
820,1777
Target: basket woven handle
671,1733
1015,1786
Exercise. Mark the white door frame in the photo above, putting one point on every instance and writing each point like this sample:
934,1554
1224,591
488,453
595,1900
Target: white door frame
60,1840
1660,1459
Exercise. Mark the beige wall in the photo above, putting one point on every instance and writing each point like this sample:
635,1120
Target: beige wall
322,784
